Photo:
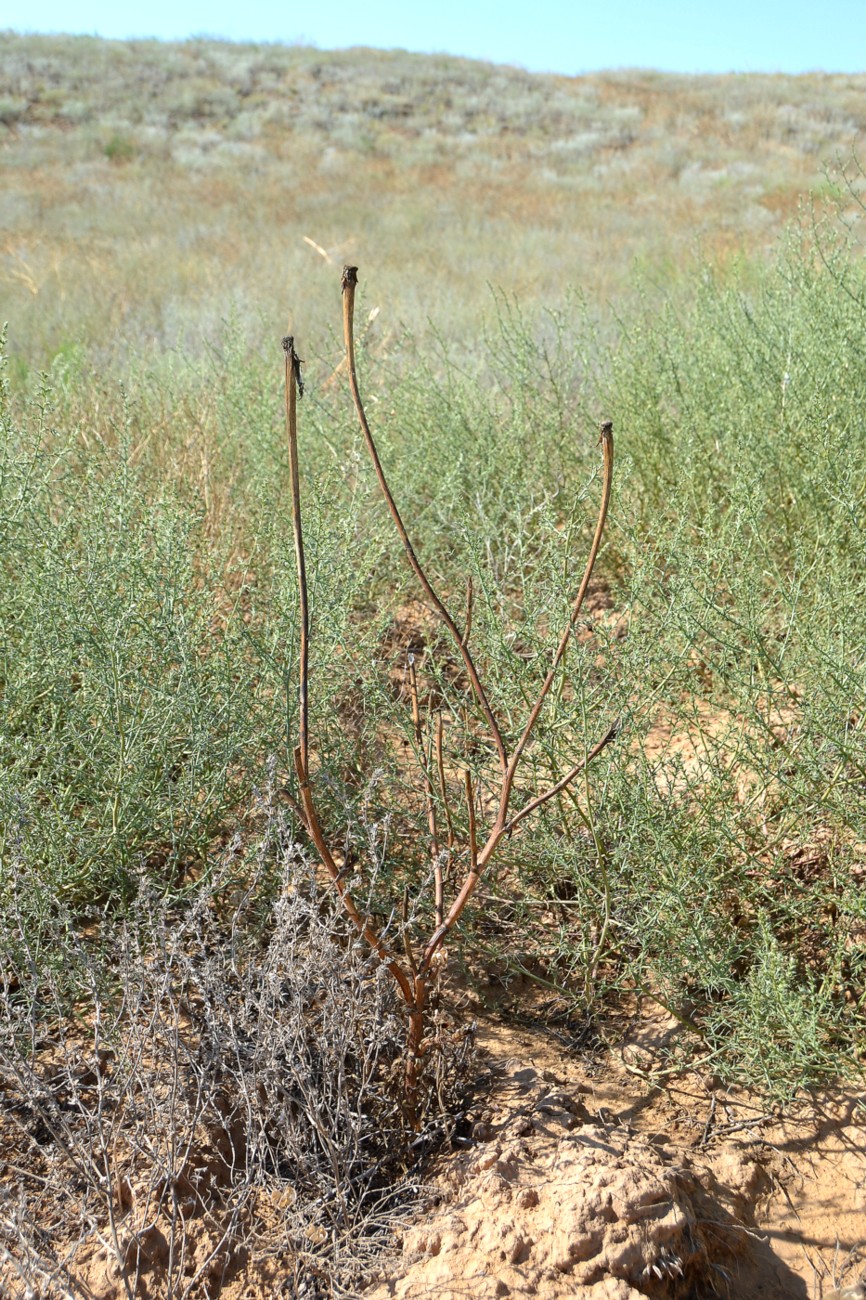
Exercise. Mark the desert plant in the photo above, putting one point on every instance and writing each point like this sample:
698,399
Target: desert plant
202,1090
415,973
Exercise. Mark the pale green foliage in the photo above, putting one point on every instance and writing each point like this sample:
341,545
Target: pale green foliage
149,627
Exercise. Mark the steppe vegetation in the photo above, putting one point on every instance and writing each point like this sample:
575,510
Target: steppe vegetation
191,1046
150,189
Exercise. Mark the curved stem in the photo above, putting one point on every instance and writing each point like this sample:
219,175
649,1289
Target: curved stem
363,927
350,280
293,387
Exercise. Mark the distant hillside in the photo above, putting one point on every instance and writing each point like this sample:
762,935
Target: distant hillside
147,186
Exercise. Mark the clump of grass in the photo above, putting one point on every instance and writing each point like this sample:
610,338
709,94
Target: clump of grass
123,717
119,149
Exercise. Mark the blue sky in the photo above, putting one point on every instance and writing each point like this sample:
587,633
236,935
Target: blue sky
568,36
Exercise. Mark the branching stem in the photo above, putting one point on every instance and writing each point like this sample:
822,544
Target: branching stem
412,981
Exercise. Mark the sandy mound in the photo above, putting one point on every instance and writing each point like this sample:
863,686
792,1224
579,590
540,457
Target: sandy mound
555,1204
575,1186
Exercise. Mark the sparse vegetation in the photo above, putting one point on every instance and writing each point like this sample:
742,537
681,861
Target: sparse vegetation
250,172
155,876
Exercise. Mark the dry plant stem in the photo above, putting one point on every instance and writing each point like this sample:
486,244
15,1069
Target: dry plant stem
414,1045
363,927
407,942
293,387
413,986
424,763
413,990
301,753
443,789
467,622
501,827
350,279
473,837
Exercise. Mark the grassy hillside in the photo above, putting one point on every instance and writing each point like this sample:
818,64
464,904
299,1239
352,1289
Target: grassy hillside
149,190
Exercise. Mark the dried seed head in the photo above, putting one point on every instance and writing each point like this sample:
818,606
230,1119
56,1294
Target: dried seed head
292,356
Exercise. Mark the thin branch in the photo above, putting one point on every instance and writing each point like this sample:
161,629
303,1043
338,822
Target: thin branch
443,789
467,622
469,883
438,891
424,763
607,452
478,859
295,387
350,279
364,928
609,735
407,942
470,806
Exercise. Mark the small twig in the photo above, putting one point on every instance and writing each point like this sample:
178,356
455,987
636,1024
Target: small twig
611,734
743,1125
705,1136
407,942
294,388
443,789
323,252
470,807
423,761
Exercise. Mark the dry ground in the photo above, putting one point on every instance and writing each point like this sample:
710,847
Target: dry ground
584,1179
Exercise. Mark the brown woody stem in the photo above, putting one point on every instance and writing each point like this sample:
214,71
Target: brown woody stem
443,789
363,927
424,763
350,280
413,985
293,387
467,622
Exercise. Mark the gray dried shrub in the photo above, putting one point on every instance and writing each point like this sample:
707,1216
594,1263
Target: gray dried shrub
225,1097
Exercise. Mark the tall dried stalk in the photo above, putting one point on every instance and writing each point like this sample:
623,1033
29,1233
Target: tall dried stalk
414,978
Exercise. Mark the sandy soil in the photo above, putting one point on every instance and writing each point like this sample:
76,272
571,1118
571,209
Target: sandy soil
580,1179
577,1177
